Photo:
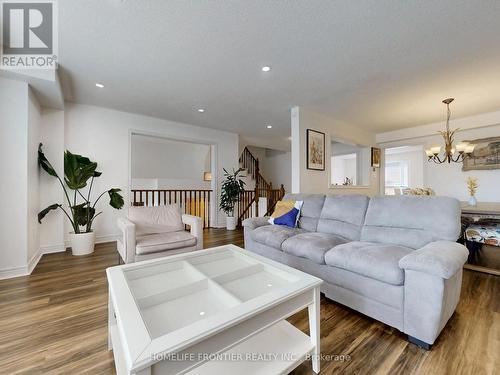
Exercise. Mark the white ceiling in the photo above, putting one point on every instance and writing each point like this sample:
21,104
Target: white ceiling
380,65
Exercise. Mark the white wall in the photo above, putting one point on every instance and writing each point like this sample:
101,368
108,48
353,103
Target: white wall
275,166
104,136
279,167
52,137
312,181
13,188
171,164
20,119
449,179
34,125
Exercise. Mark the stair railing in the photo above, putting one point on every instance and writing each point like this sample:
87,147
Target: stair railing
248,202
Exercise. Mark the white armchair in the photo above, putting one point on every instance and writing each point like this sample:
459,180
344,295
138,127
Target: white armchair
153,232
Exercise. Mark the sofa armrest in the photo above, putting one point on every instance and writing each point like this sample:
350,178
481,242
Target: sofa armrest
126,246
255,222
439,258
196,227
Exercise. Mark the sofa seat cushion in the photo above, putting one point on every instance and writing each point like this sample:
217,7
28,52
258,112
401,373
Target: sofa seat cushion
153,243
378,261
311,245
273,235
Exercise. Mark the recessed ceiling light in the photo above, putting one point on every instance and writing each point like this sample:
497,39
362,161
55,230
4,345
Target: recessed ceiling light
201,110
266,68
100,85
269,126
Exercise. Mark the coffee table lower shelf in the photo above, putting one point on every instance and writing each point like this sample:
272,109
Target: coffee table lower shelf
276,350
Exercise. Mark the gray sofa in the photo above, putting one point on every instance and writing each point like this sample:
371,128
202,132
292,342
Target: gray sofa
392,258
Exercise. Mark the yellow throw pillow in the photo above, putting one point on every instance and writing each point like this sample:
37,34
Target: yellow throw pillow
286,213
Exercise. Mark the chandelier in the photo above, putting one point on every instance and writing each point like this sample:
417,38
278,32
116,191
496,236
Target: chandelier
463,149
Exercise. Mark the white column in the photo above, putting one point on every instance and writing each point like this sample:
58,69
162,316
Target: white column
296,154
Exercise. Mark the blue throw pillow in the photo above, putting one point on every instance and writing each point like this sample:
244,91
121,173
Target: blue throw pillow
286,213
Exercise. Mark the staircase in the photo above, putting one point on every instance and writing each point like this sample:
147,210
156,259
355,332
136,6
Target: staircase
248,204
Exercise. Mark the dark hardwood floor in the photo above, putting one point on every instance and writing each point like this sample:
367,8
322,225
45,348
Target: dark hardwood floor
55,322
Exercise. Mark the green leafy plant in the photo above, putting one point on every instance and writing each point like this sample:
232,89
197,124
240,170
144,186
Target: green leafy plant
78,170
231,188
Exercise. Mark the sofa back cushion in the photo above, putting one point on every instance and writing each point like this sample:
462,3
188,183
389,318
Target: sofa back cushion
157,219
311,209
411,221
343,215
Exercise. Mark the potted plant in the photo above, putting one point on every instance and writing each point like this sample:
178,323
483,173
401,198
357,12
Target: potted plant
231,188
78,171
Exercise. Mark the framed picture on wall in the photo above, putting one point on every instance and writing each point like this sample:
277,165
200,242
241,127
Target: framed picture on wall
375,157
486,154
315,143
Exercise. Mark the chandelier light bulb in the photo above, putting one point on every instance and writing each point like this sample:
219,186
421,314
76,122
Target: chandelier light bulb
461,147
436,150
469,149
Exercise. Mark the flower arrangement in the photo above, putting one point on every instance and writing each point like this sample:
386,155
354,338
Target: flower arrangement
472,185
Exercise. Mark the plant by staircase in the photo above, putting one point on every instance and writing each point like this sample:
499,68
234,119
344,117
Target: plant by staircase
231,188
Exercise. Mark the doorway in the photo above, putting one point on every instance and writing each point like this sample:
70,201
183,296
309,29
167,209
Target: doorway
170,171
404,168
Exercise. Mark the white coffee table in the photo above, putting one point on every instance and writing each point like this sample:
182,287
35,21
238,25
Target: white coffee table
213,311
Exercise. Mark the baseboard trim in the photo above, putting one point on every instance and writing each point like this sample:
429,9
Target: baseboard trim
33,262
107,238
9,273
99,239
49,249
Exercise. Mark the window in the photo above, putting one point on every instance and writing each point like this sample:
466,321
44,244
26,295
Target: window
396,174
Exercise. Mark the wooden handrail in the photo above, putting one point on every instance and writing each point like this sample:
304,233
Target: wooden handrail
192,202
274,195
246,200
249,201
251,164
264,189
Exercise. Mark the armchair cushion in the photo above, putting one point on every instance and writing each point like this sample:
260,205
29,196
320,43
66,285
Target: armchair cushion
439,258
157,219
153,243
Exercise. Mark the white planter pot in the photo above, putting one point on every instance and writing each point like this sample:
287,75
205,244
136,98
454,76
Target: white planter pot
231,222
82,243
